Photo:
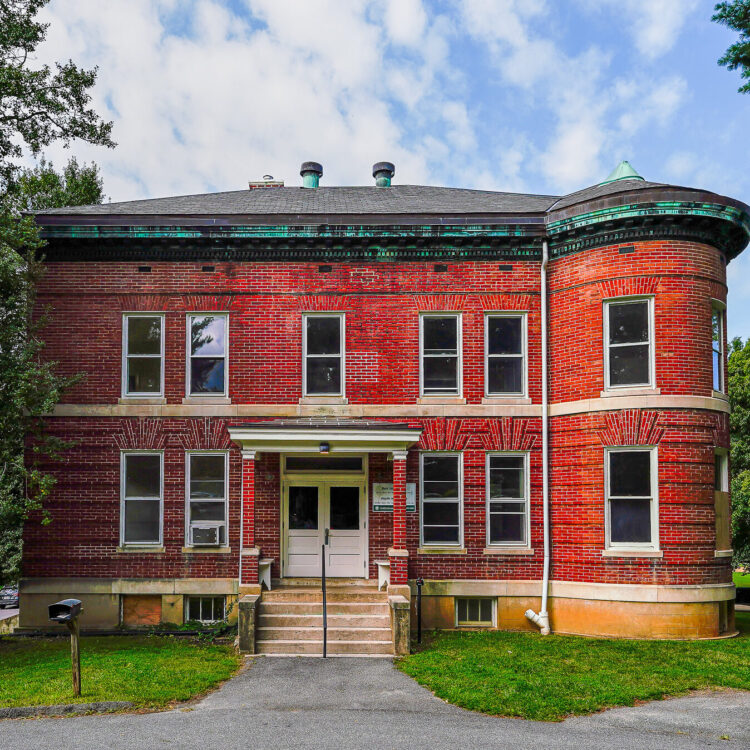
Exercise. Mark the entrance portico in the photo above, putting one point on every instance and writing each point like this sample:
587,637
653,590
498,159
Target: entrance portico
324,494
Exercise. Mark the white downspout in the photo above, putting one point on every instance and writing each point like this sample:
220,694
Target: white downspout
542,619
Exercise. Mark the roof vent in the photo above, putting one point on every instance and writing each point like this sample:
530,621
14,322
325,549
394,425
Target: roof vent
266,182
311,173
383,172
623,171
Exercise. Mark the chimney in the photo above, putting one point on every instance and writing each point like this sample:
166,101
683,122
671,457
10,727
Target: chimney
266,182
383,171
311,173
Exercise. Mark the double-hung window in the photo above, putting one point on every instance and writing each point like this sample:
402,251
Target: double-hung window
717,346
323,355
441,498
440,371
207,499
505,361
207,355
143,355
507,499
631,498
141,496
628,343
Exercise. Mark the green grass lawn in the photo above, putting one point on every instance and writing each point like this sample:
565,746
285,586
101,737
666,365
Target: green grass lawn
741,580
551,677
150,671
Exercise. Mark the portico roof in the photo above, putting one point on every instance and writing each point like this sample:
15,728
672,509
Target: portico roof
305,435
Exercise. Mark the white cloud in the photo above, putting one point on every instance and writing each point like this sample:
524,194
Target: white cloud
656,24
226,97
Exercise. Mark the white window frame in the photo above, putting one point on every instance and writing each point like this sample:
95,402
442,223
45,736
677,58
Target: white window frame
654,455
189,356
203,596
524,354
527,500
718,307
460,456
458,393
651,342
493,620
126,355
341,356
123,461
225,522
721,461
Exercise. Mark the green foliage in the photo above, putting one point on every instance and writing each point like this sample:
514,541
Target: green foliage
736,15
739,424
147,670
551,677
38,105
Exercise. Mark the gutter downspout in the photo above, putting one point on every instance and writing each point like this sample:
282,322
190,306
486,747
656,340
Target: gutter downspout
542,619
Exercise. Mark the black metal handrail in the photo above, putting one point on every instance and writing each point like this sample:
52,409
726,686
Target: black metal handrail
325,611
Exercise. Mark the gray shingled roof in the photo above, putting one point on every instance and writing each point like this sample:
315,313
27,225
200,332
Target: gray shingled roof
599,191
397,199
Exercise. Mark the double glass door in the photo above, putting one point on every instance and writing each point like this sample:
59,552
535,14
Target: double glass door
330,515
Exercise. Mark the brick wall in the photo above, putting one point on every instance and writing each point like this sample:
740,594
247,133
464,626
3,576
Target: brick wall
382,302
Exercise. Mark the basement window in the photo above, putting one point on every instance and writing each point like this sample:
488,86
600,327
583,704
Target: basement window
205,609
476,613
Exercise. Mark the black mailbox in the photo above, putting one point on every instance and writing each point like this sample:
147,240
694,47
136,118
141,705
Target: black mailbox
65,611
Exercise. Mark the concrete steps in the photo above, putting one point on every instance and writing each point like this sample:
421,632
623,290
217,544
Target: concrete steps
290,621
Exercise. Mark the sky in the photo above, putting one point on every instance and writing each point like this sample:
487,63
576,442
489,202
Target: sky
540,96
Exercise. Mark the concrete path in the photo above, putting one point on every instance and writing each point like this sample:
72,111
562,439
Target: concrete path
306,703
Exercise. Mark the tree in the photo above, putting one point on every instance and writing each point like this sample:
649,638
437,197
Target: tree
736,15
38,106
739,425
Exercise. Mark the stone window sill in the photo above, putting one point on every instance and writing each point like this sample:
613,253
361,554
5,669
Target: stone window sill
207,550
210,400
723,553
507,551
719,394
615,392
140,549
141,400
510,400
441,551
632,553
441,400
323,400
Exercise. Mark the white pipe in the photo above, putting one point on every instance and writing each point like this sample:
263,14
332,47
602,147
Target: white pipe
542,619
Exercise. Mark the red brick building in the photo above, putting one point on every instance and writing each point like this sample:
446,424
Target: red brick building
284,374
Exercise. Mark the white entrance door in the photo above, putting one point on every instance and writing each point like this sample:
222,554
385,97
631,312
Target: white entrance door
325,513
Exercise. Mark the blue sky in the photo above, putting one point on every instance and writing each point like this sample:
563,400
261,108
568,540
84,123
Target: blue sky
542,96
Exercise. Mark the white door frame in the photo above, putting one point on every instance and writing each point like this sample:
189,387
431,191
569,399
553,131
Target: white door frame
324,480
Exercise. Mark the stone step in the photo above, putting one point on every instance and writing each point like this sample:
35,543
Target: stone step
316,608
334,634
288,620
315,595
315,647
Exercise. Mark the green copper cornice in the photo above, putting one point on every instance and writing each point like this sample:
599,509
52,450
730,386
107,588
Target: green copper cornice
725,226
305,232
